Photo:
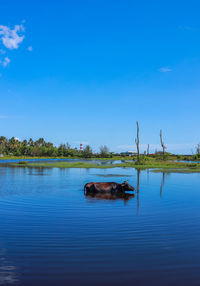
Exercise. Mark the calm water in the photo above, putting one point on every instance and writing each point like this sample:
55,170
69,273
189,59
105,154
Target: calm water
95,161
51,234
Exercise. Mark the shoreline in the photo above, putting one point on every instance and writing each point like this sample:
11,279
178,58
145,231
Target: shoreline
155,166
151,157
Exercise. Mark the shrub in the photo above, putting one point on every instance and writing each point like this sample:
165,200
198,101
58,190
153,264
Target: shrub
193,165
22,162
139,163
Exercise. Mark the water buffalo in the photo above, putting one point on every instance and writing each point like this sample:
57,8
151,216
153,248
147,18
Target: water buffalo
107,187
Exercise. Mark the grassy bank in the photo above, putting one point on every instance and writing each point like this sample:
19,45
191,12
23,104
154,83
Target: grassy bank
21,158
167,166
150,158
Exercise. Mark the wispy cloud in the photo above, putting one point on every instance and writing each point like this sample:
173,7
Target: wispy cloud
2,52
30,49
5,61
165,69
187,28
11,38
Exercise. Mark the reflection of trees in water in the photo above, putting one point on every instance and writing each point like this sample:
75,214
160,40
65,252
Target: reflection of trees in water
39,171
138,189
162,183
138,186
30,170
64,171
148,175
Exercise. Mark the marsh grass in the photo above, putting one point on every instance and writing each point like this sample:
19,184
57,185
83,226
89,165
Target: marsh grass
160,165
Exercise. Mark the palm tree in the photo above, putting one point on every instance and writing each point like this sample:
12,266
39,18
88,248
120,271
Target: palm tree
30,142
40,142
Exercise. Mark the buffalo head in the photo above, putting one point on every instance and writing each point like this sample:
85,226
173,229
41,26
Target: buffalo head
127,187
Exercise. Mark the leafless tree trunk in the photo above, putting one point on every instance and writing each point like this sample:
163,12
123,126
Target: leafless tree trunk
162,143
137,141
198,149
148,150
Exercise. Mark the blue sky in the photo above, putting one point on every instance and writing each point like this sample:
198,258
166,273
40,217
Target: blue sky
85,71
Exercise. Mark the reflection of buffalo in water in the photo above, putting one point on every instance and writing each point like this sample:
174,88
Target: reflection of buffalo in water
107,196
108,187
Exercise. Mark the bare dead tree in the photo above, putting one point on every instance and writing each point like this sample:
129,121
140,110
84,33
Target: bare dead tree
147,149
198,149
145,155
137,141
162,143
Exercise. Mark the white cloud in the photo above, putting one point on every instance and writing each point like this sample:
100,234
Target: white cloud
17,139
5,61
2,52
30,49
165,69
11,38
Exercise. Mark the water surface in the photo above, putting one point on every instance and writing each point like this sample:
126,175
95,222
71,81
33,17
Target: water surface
51,160
52,234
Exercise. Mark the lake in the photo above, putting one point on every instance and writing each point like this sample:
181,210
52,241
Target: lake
52,234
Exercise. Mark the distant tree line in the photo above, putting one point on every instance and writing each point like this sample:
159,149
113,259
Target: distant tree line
41,148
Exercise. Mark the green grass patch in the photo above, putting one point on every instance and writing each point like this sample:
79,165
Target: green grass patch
159,165
181,171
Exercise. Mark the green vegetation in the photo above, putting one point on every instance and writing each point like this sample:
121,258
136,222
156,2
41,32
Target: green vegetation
169,166
60,165
112,156
13,147
22,163
27,149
